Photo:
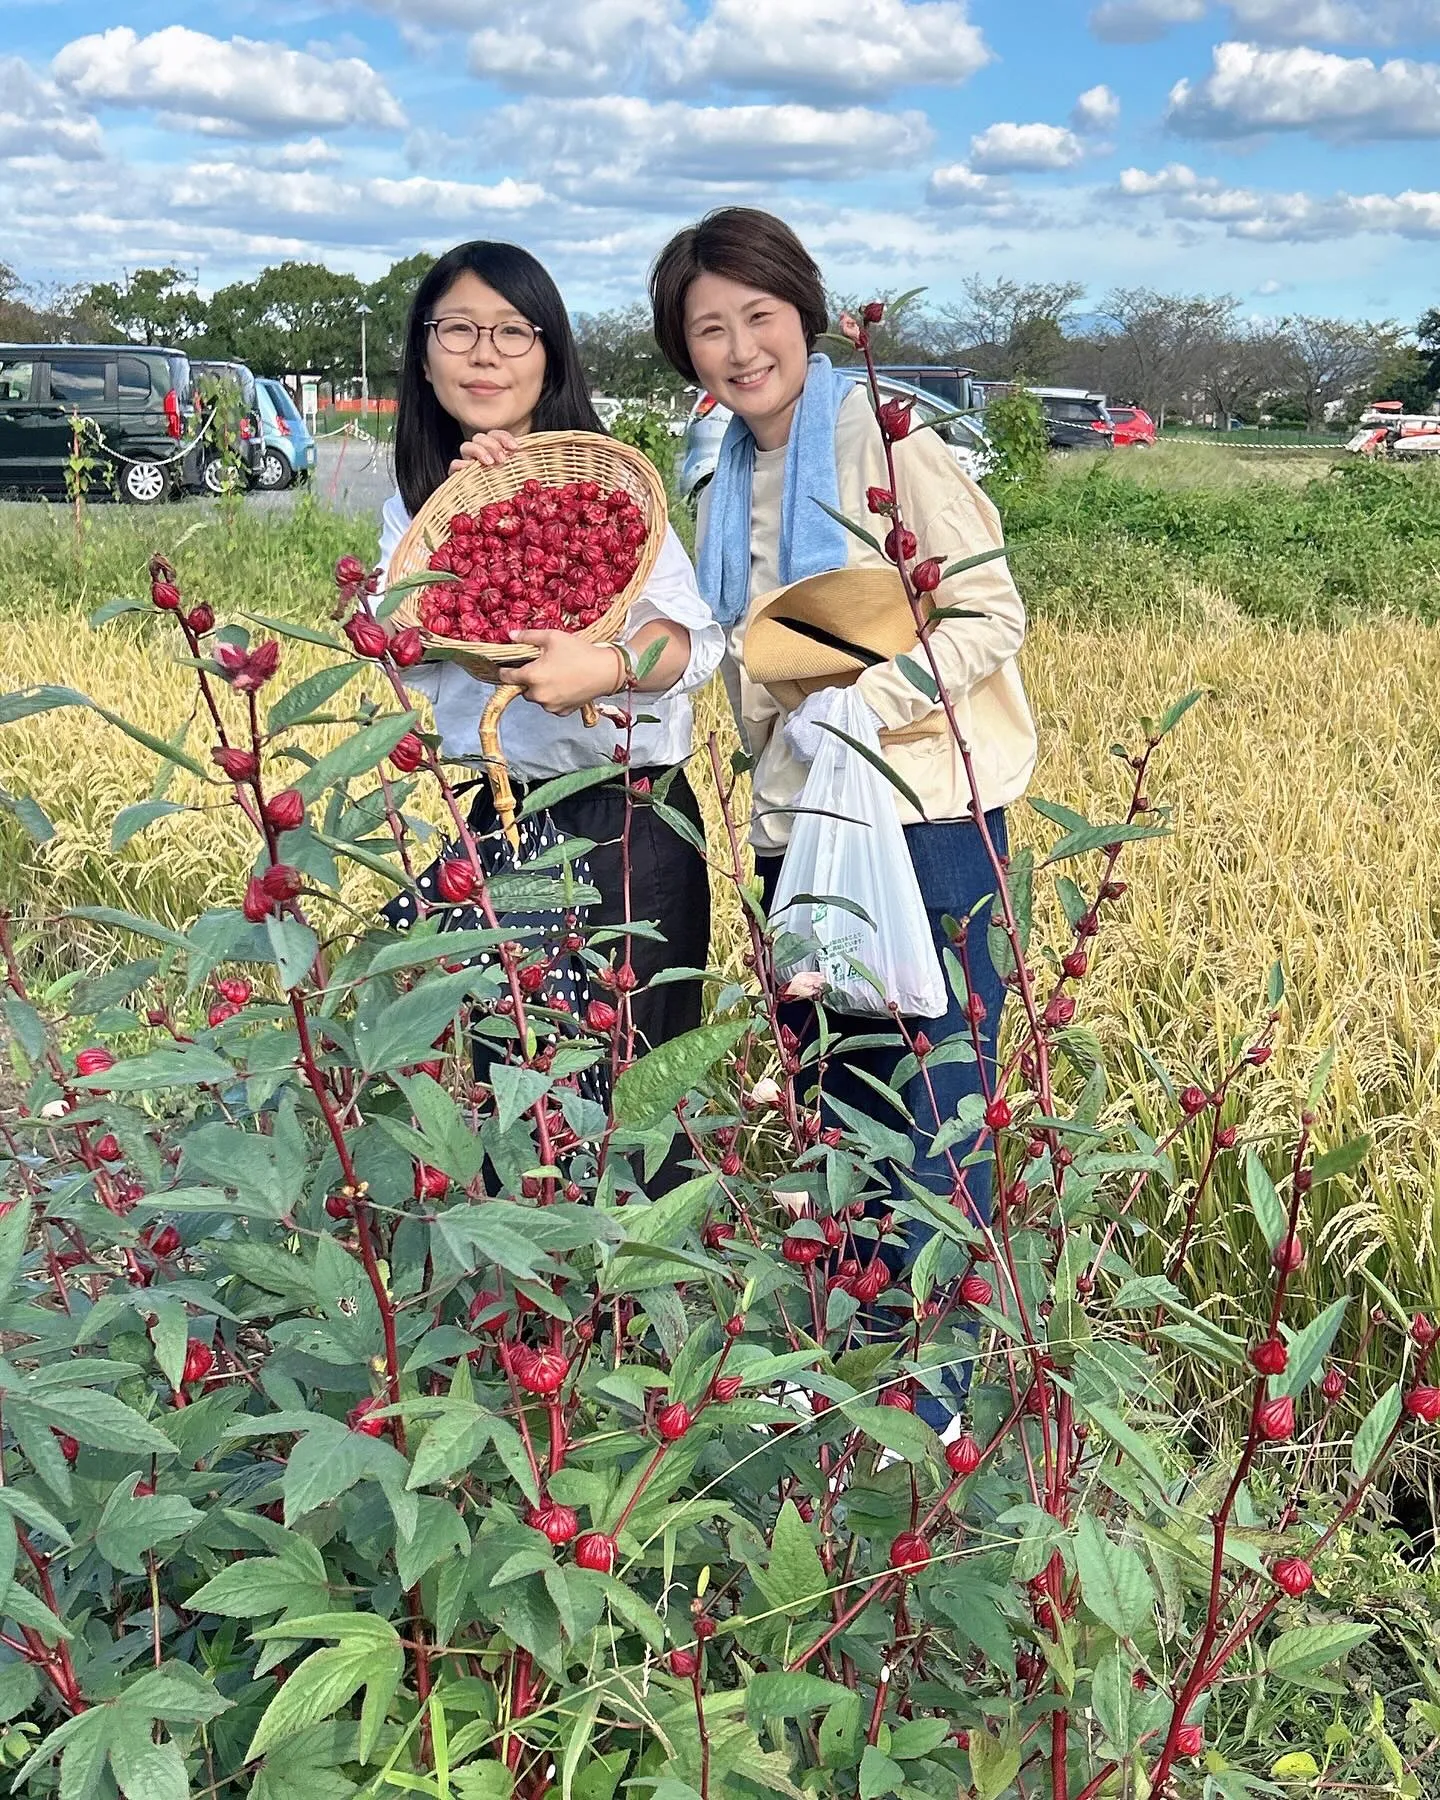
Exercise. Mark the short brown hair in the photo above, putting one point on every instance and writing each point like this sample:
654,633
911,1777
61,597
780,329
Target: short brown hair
742,244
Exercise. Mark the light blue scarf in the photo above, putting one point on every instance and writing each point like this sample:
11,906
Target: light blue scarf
811,542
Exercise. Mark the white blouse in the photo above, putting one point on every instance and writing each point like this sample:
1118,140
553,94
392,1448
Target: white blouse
536,743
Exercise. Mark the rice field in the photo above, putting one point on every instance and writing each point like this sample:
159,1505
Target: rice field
1305,796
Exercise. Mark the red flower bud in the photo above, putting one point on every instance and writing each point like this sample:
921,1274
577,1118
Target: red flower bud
163,1241
1075,964
541,1371
596,1550
963,1455
673,1421
286,810
800,1249
1333,1386
1270,1357
975,1290
1288,1255
350,572
683,1663
408,754
69,1447
407,647
257,904
234,988
199,1360
1293,1575
873,312
880,500
997,1114
898,1397
1276,1419
430,1184
900,544
281,881
558,1523
1258,1056
107,1148
910,1551
704,1627
926,575
366,635
894,417
735,1325
601,1016
870,1283
165,596
1193,1100
625,979
1190,1740
201,620
239,765
1422,1331
455,880
220,1012
1225,1137
339,1206
1423,1403
361,1418
94,1061
724,1388
247,671
483,1315
1060,1011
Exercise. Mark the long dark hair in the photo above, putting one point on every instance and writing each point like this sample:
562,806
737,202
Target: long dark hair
427,439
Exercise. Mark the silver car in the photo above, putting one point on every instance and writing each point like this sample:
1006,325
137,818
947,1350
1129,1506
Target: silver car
964,434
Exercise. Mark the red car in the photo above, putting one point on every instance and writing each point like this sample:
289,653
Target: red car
1133,426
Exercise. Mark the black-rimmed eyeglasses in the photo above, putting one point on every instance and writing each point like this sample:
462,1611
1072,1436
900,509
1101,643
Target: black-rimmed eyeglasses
460,335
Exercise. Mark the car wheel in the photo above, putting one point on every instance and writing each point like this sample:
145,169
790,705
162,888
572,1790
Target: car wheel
274,472
218,478
143,483
1142,443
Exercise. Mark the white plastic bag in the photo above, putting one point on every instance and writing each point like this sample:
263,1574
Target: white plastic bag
862,857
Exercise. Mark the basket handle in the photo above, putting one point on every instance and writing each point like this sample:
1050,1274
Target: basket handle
495,765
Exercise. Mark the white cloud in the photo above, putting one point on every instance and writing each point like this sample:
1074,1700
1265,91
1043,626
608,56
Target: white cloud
335,206
980,199
1142,21
35,118
233,86
1097,110
1337,21
309,154
1250,90
1003,148
1270,216
559,46
618,148
862,47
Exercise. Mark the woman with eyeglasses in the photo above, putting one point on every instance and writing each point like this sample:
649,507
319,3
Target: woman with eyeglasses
489,357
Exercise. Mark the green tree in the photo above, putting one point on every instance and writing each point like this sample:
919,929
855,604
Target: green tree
620,355
294,315
153,306
389,300
1428,332
1406,374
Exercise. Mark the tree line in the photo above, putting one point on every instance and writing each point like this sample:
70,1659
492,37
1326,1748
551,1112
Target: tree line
1180,355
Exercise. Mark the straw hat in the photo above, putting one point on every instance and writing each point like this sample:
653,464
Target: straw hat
824,631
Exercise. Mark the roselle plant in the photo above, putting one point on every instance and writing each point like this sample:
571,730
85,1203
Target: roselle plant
381,1416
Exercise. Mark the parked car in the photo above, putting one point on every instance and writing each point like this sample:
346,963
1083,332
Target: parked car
1134,428
250,447
708,419
289,454
1075,419
141,401
951,383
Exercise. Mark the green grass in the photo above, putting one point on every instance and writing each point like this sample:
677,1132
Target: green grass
1170,535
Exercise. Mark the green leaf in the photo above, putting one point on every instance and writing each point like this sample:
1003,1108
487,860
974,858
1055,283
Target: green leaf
131,820
840,1734
796,1577
1113,1579
1264,1201
325,1681
516,1090
855,530
452,1441
789,1695
1375,1429
1309,1648
177,1065
356,755
575,781
994,1761
650,1089
1112,1695
1295,1765
144,1769
100,1420
130,1525
1099,837
878,1775
30,814
1174,714
981,556
302,699
124,921
1309,1348
1337,1161
406,1029
295,947
27,1025
288,628
878,762
918,677
257,1585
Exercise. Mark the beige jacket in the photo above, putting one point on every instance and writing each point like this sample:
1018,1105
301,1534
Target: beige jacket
952,519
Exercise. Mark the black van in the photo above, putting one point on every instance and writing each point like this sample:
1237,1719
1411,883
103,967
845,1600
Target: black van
140,398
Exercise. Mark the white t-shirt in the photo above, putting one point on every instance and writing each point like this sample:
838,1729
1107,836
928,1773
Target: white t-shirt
538,745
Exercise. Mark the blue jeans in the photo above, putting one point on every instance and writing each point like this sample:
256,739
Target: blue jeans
955,875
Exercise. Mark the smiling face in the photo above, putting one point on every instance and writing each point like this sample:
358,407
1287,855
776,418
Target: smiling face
479,388
749,349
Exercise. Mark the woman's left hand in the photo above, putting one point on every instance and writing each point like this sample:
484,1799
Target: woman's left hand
567,672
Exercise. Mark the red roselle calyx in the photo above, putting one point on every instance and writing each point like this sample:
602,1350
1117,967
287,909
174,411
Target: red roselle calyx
1333,1385
673,1421
910,1551
596,1550
361,1418
107,1148
1423,1403
542,1371
873,312
1288,1255
558,1523
430,1183
339,1206
94,1061
724,1388
894,417
880,500
900,544
600,1015
350,572
1193,1100
239,765
199,1360
1225,1137
248,670
925,576
201,620
797,1248
1190,1740
234,988
281,881
257,904
1270,1357
367,638
407,647
165,596
998,1114
1422,1332
220,1012
408,754
683,1663
1276,1418
963,1455
1293,1575
483,1315
975,1290
455,880
1075,964
286,810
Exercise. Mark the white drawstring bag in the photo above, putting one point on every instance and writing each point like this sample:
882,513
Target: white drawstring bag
860,857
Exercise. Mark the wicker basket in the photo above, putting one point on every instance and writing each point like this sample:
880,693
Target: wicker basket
553,458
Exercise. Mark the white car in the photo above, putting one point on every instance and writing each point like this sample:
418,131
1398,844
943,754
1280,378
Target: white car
963,433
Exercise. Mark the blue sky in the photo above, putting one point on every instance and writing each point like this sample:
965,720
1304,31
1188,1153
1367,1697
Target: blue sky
1284,151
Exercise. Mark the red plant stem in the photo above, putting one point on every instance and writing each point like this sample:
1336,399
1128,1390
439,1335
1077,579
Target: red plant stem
56,1663
695,1684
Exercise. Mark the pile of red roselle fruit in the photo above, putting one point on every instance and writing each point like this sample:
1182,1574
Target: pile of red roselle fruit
375,1414
549,558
